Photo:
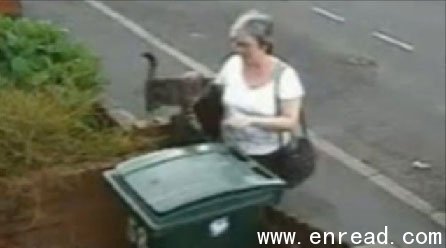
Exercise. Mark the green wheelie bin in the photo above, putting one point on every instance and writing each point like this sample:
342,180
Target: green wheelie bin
201,196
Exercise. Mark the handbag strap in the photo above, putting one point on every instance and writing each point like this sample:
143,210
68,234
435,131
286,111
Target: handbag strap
277,74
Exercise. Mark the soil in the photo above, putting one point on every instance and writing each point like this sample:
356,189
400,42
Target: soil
81,214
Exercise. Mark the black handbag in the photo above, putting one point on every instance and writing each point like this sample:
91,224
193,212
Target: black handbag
296,160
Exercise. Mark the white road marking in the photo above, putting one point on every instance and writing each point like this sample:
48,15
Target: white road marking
148,37
393,41
347,160
439,218
324,145
328,14
403,194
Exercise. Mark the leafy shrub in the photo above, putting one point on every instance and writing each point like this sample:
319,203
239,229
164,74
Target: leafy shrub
38,54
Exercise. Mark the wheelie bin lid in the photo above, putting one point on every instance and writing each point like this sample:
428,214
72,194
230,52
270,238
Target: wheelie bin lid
170,179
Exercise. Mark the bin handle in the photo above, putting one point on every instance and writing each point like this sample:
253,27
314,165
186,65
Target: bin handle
237,153
152,65
254,166
151,71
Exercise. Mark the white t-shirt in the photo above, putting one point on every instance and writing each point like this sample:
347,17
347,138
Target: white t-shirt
239,99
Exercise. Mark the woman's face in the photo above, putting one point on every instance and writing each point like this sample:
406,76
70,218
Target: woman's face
247,46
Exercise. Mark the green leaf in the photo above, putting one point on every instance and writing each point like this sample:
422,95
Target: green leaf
20,67
38,54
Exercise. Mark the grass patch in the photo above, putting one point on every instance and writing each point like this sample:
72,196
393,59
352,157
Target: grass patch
37,131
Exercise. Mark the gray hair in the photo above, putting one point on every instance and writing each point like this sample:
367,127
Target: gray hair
253,23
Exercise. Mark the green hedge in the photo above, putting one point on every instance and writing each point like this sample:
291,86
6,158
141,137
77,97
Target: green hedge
36,54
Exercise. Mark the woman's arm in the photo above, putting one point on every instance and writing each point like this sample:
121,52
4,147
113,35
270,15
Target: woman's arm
291,94
287,121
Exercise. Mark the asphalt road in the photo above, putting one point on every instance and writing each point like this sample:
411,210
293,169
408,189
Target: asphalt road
389,112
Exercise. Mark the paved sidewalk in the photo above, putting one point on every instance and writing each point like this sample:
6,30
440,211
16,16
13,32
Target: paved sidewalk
335,199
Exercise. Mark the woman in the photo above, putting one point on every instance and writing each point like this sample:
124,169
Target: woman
252,120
